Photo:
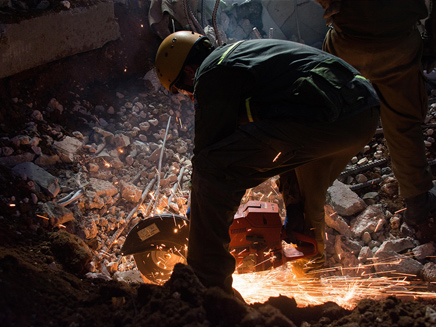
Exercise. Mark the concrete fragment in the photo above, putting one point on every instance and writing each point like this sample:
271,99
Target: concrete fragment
365,254
335,221
31,42
121,140
45,180
344,201
368,221
130,192
130,276
89,227
429,272
57,214
102,187
425,250
390,261
67,148
398,245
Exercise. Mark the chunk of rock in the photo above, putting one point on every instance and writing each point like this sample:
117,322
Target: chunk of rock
368,221
67,148
343,200
398,245
45,180
130,192
56,213
429,272
335,221
390,261
425,250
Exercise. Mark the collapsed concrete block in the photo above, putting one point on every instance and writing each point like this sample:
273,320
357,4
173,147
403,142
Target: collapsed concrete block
45,180
343,200
33,42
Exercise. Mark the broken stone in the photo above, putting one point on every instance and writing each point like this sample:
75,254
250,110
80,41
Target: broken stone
102,187
423,251
89,227
429,272
390,261
365,254
333,220
344,201
370,219
130,276
57,214
398,245
366,238
45,160
67,148
121,140
130,192
395,222
45,180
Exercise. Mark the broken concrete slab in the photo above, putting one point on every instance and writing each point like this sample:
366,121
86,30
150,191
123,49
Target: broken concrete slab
391,261
67,148
32,42
343,200
45,180
57,214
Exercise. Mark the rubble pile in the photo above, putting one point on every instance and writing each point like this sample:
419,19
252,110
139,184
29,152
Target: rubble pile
88,181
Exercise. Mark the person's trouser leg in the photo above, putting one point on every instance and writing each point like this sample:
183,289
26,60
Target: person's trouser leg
396,72
255,153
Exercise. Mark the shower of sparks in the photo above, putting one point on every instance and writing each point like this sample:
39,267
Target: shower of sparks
346,291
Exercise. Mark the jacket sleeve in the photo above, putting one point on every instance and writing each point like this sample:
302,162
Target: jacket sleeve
219,97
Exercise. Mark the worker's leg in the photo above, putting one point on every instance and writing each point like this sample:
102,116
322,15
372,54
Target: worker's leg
396,72
255,153
221,175
317,175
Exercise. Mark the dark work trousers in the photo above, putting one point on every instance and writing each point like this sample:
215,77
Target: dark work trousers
393,65
255,152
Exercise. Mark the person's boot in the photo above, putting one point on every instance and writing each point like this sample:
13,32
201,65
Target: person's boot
420,207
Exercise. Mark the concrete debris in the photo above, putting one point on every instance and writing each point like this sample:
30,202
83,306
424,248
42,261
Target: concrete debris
344,201
370,220
397,245
390,261
57,214
47,182
67,148
425,250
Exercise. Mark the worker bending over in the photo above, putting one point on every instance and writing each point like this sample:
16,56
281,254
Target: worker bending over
263,108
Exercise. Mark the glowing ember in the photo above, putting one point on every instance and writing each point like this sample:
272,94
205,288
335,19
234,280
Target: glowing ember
346,291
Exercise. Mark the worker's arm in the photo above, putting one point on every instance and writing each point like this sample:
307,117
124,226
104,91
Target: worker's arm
219,96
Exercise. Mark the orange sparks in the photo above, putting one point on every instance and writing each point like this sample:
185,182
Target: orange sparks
378,225
401,210
43,217
277,156
344,290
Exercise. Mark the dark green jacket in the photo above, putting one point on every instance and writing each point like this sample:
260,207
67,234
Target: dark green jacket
272,79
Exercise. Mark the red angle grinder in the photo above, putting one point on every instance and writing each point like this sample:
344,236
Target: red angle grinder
159,242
